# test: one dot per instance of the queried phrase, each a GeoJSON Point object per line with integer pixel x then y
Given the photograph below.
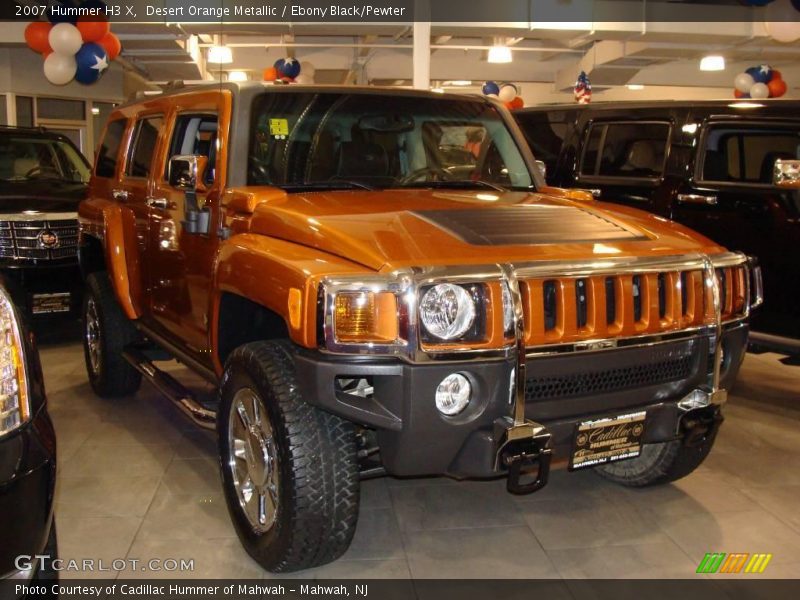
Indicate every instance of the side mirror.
{"type": "Point", "coordinates": [786, 174]}
{"type": "Point", "coordinates": [186, 172]}
{"type": "Point", "coordinates": [542, 168]}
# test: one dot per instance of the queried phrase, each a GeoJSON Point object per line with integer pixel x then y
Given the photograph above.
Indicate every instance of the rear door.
{"type": "Point", "coordinates": [730, 198]}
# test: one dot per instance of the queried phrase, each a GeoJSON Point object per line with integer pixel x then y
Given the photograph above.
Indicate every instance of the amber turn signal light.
{"type": "Point", "coordinates": [365, 317]}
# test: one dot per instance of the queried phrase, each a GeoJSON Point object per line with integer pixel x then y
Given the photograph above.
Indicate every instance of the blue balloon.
{"type": "Point", "coordinates": [761, 73]}
{"type": "Point", "coordinates": [279, 64]}
{"type": "Point", "coordinates": [57, 18]}
{"type": "Point", "coordinates": [757, 2]}
{"type": "Point", "coordinates": [92, 61]}
{"type": "Point", "coordinates": [796, 4]}
{"type": "Point", "coordinates": [490, 87]}
{"type": "Point", "coordinates": [291, 68]}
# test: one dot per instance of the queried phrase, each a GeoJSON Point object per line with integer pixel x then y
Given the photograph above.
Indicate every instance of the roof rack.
{"type": "Point", "coordinates": [39, 128]}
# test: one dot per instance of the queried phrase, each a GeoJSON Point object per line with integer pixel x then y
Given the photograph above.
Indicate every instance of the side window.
{"type": "Point", "coordinates": [196, 135]}
{"type": "Point", "coordinates": [746, 154]}
{"type": "Point", "coordinates": [626, 150]}
{"type": "Point", "coordinates": [106, 163]}
{"type": "Point", "coordinates": [144, 145]}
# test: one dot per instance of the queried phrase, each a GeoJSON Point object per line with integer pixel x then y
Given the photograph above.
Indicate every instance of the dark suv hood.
{"type": "Point", "coordinates": [43, 196]}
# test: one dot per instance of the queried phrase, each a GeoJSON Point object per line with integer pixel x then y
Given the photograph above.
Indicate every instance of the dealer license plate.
{"type": "Point", "coordinates": [45, 304]}
{"type": "Point", "coordinates": [607, 440]}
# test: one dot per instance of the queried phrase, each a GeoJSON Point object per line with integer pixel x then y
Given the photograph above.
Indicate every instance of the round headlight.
{"type": "Point", "coordinates": [453, 394]}
{"type": "Point", "coordinates": [447, 311]}
{"type": "Point", "coordinates": [508, 308]}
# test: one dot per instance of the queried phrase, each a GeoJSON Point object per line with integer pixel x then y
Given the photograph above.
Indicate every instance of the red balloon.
{"type": "Point", "coordinates": [270, 74]}
{"type": "Point", "coordinates": [285, 79]}
{"type": "Point", "coordinates": [777, 87]}
{"type": "Point", "coordinates": [517, 102]}
{"type": "Point", "coordinates": [737, 93]}
{"type": "Point", "coordinates": [36, 35]}
{"type": "Point", "coordinates": [776, 74]}
{"type": "Point", "coordinates": [93, 29]}
{"type": "Point", "coordinates": [111, 45]}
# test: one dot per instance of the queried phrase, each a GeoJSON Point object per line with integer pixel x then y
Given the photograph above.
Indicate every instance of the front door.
{"type": "Point", "coordinates": [182, 261]}
{"type": "Point", "coordinates": [731, 199]}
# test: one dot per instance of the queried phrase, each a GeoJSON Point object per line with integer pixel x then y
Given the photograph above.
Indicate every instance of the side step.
{"type": "Point", "coordinates": [171, 388]}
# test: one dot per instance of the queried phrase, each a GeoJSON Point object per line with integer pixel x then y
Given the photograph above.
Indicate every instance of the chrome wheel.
{"type": "Point", "coordinates": [253, 460]}
{"type": "Point", "coordinates": [93, 335]}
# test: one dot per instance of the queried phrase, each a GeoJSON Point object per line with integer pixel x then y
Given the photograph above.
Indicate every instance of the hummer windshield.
{"type": "Point", "coordinates": [29, 158]}
{"type": "Point", "coordinates": [332, 140]}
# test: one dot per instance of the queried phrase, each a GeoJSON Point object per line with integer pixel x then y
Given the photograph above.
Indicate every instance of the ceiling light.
{"type": "Point", "coordinates": [712, 63]}
{"type": "Point", "coordinates": [746, 105]}
{"type": "Point", "coordinates": [459, 82]}
{"type": "Point", "coordinates": [635, 86]}
{"type": "Point", "coordinates": [220, 55]}
{"type": "Point", "coordinates": [237, 76]}
{"type": "Point", "coordinates": [438, 90]}
{"type": "Point", "coordinates": [499, 54]}
{"type": "Point", "coordinates": [95, 111]}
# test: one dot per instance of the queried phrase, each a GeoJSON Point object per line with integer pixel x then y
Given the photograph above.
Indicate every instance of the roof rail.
{"type": "Point", "coordinates": [40, 128]}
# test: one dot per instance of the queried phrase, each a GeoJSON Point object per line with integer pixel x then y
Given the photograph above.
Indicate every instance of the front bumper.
{"type": "Point", "coordinates": [415, 439]}
{"type": "Point", "coordinates": [27, 486]}
{"type": "Point", "coordinates": [24, 281]}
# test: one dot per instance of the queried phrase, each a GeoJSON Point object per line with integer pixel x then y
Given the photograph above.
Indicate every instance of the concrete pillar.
{"type": "Point", "coordinates": [422, 55]}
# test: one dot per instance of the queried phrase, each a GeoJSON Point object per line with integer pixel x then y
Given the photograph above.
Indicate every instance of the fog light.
{"type": "Point", "coordinates": [695, 399]}
{"type": "Point", "coordinates": [453, 394]}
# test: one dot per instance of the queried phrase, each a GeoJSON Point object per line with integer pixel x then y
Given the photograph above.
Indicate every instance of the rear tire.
{"type": "Point", "coordinates": [289, 470]}
{"type": "Point", "coordinates": [658, 463]}
{"type": "Point", "coordinates": [107, 331]}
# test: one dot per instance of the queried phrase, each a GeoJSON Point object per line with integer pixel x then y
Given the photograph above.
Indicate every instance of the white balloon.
{"type": "Point", "coordinates": [65, 38]}
{"type": "Point", "coordinates": [759, 90]}
{"type": "Point", "coordinates": [59, 69]}
{"type": "Point", "coordinates": [743, 82]}
{"type": "Point", "coordinates": [507, 93]}
{"type": "Point", "coordinates": [781, 21]}
{"type": "Point", "coordinates": [306, 68]}
{"type": "Point", "coordinates": [304, 79]}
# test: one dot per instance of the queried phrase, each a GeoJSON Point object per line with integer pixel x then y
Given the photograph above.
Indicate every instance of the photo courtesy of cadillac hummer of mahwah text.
{"type": "Point", "coordinates": [380, 283]}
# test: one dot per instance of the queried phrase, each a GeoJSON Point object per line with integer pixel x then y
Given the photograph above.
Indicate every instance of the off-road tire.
{"type": "Point", "coordinates": [114, 376]}
{"type": "Point", "coordinates": [658, 463]}
{"type": "Point", "coordinates": [318, 468]}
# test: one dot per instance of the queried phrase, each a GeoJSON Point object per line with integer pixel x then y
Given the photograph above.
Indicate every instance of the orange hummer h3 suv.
{"type": "Point", "coordinates": [379, 282]}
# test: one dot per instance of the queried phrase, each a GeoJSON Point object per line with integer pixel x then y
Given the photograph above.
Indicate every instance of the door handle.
{"type": "Point", "coordinates": [697, 199]}
{"type": "Point", "coordinates": [121, 195]}
{"type": "Point", "coordinates": [157, 203]}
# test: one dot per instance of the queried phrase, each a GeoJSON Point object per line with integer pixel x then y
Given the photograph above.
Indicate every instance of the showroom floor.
{"type": "Point", "coordinates": [137, 480]}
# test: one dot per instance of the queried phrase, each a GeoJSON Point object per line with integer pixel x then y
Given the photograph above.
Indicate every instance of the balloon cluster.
{"type": "Point", "coordinates": [507, 93]}
{"type": "Point", "coordinates": [759, 82]}
{"type": "Point", "coordinates": [78, 49]}
{"type": "Point", "coordinates": [290, 70]}
{"type": "Point", "coordinates": [583, 89]}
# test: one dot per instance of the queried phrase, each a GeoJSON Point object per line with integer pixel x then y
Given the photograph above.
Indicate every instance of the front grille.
{"type": "Point", "coordinates": [590, 383]}
{"type": "Point", "coordinates": [574, 309]}
{"type": "Point", "coordinates": [25, 240]}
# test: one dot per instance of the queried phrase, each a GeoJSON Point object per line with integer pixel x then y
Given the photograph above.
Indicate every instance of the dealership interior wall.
{"type": "Point", "coordinates": [138, 480]}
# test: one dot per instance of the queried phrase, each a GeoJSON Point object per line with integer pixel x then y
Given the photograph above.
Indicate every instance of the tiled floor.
{"type": "Point", "coordinates": [137, 480]}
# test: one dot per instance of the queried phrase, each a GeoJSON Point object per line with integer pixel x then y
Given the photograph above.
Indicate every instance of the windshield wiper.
{"type": "Point", "coordinates": [342, 184]}
{"type": "Point", "coordinates": [459, 183]}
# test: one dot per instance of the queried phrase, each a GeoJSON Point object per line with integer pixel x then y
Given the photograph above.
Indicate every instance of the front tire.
{"type": "Point", "coordinates": [107, 331]}
{"type": "Point", "coordinates": [289, 470]}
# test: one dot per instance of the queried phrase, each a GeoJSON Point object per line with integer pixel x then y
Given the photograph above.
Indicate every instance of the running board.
{"type": "Point", "coordinates": [171, 388]}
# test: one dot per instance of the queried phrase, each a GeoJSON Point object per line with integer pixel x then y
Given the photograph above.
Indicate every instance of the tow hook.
{"type": "Point", "coordinates": [699, 426]}
{"type": "Point", "coordinates": [523, 450]}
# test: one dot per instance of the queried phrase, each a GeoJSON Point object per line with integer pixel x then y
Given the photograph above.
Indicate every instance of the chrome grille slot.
{"type": "Point", "coordinates": [23, 239]}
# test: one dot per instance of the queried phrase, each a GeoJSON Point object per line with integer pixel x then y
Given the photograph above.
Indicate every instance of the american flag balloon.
{"type": "Point", "coordinates": [583, 89]}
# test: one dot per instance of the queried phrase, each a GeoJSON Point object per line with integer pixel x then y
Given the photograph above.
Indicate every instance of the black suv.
{"type": "Point", "coordinates": [43, 178]}
{"type": "Point", "coordinates": [724, 168]}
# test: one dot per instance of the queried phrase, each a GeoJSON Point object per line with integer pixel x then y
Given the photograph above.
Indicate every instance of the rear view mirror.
{"type": "Point", "coordinates": [786, 174]}
{"type": "Point", "coordinates": [542, 168]}
{"type": "Point", "coordinates": [186, 172]}
{"type": "Point", "coordinates": [387, 123]}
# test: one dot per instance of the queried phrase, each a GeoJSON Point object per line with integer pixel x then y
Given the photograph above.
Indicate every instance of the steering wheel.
{"type": "Point", "coordinates": [426, 174]}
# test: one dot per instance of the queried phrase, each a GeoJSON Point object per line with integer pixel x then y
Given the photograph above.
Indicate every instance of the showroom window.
{"type": "Point", "coordinates": [60, 109]}
{"type": "Point", "coordinates": [100, 113]}
{"type": "Point", "coordinates": [747, 154]}
{"type": "Point", "coordinates": [195, 135]}
{"type": "Point", "coordinates": [109, 150]}
{"type": "Point", "coordinates": [144, 146]}
{"type": "Point", "coordinates": [631, 150]}
{"type": "Point", "coordinates": [24, 111]}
